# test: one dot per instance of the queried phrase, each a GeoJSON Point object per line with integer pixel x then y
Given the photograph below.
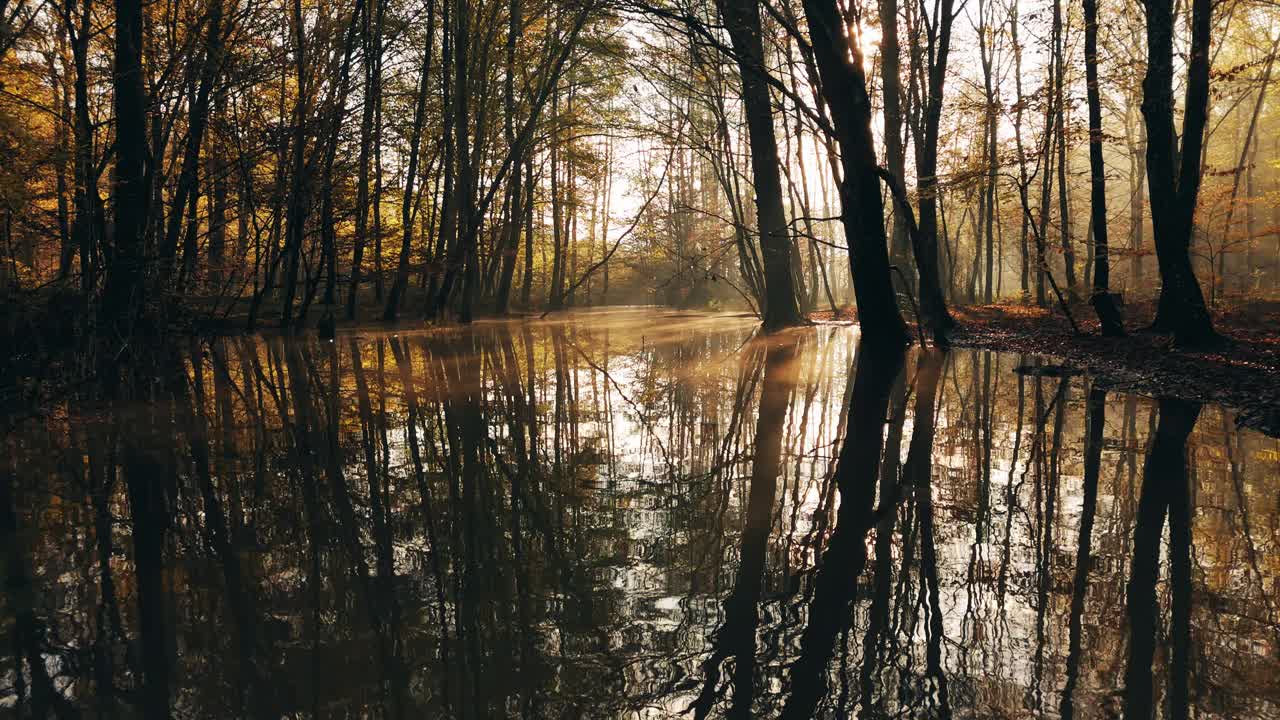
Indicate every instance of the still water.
{"type": "Point", "coordinates": [633, 514]}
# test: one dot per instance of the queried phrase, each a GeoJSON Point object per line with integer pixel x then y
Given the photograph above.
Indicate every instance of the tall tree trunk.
{"type": "Point", "coordinates": [894, 150]}
{"type": "Point", "coordinates": [466, 257]}
{"type": "Point", "coordinates": [328, 148]}
{"type": "Point", "coordinates": [933, 307]}
{"type": "Point", "coordinates": [216, 172]}
{"type": "Point", "coordinates": [61, 143]}
{"type": "Point", "coordinates": [88, 226]}
{"type": "Point", "coordinates": [408, 200]}
{"type": "Point", "coordinates": [1248, 154]}
{"type": "Point", "coordinates": [197, 121]}
{"type": "Point", "coordinates": [844, 87]}
{"type": "Point", "coordinates": [742, 20]}
{"type": "Point", "coordinates": [989, 142]}
{"type": "Point", "coordinates": [123, 294]}
{"type": "Point", "coordinates": [1137, 199]}
{"type": "Point", "coordinates": [1024, 276]}
{"type": "Point", "coordinates": [372, 28]}
{"type": "Point", "coordinates": [448, 231]}
{"type": "Point", "coordinates": [515, 194]}
{"type": "Point", "coordinates": [1173, 174]}
{"type": "Point", "coordinates": [1275, 219]}
{"type": "Point", "coordinates": [1103, 302]}
{"type": "Point", "coordinates": [554, 300]}
{"type": "Point", "coordinates": [526, 285]}
{"type": "Point", "coordinates": [299, 198]}
{"type": "Point", "coordinates": [1060, 111]}
{"type": "Point", "coordinates": [378, 279]}
{"type": "Point", "coordinates": [1045, 209]}
{"type": "Point", "coordinates": [604, 218]}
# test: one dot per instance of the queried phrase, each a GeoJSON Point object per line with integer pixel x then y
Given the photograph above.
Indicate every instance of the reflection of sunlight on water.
{"type": "Point", "coordinates": [565, 514]}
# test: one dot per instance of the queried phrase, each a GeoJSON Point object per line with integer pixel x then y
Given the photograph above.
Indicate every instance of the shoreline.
{"type": "Point", "coordinates": [1243, 375]}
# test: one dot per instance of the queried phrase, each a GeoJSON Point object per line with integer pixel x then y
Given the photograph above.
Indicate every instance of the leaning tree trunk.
{"type": "Point", "coordinates": [742, 20]}
{"type": "Point", "coordinates": [844, 86]}
{"type": "Point", "coordinates": [372, 97]}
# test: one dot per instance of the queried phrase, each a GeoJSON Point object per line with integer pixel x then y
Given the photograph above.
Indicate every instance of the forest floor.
{"type": "Point", "coordinates": [1244, 373]}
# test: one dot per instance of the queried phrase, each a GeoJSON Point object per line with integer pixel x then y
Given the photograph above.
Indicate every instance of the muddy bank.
{"type": "Point", "coordinates": [1243, 374]}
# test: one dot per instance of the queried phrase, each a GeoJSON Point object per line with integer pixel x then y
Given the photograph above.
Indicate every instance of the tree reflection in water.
{"type": "Point", "coordinates": [632, 513]}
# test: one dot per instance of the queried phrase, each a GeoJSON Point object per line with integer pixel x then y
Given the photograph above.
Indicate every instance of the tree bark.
{"type": "Point", "coordinates": [1103, 302]}
{"type": "Point", "coordinates": [123, 294]}
{"type": "Point", "coordinates": [742, 21]}
{"type": "Point", "coordinates": [372, 98]}
{"type": "Point", "coordinates": [844, 87]}
{"type": "Point", "coordinates": [933, 307]}
{"type": "Point", "coordinates": [407, 203]}
{"type": "Point", "coordinates": [1173, 176]}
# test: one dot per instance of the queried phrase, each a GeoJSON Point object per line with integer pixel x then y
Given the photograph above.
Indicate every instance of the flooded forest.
{"type": "Point", "coordinates": [640, 359]}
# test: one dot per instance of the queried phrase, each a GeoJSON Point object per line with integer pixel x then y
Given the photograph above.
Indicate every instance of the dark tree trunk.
{"type": "Point", "coordinates": [407, 205]}
{"type": "Point", "coordinates": [510, 243]}
{"type": "Point", "coordinates": [328, 149]}
{"type": "Point", "coordinates": [299, 198]}
{"type": "Point", "coordinates": [123, 293]}
{"type": "Point", "coordinates": [554, 300]}
{"type": "Point", "coordinates": [526, 284]}
{"type": "Point", "coordinates": [933, 307]}
{"type": "Point", "coordinates": [1095, 435]}
{"type": "Point", "coordinates": [461, 256]}
{"type": "Point", "coordinates": [217, 168]}
{"type": "Point", "coordinates": [1060, 112]}
{"type": "Point", "coordinates": [197, 122]}
{"type": "Point", "coordinates": [844, 86]}
{"type": "Point", "coordinates": [61, 141]}
{"type": "Point", "coordinates": [1024, 252]}
{"type": "Point", "coordinates": [894, 150]}
{"type": "Point", "coordinates": [447, 235]}
{"type": "Point", "coordinates": [1173, 176]}
{"type": "Point", "coordinates": [1103, 302]}
{"type": "Point", "coordinates": [742, 20]}
{"type": "Point", "coordinates": [372, 97]}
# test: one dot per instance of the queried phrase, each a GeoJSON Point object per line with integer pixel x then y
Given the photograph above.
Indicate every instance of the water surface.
{"type": "Point", "coordinates": [633, 513]}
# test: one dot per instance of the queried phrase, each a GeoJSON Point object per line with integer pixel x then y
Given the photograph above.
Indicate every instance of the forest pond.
{"type": "Point", "coordinates": [634, 513]}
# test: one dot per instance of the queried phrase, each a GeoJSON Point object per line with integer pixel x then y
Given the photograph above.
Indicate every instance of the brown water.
{"type": "Point", "coordinates": [633, 514]}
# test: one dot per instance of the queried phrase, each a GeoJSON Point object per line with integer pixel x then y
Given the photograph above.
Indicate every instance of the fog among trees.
{"type": "Point", "coordinates": [281, 164]}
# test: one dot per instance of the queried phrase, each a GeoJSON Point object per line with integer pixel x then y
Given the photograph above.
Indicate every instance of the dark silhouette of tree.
{"type": "Point", "coordinates": [1174, 170]}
